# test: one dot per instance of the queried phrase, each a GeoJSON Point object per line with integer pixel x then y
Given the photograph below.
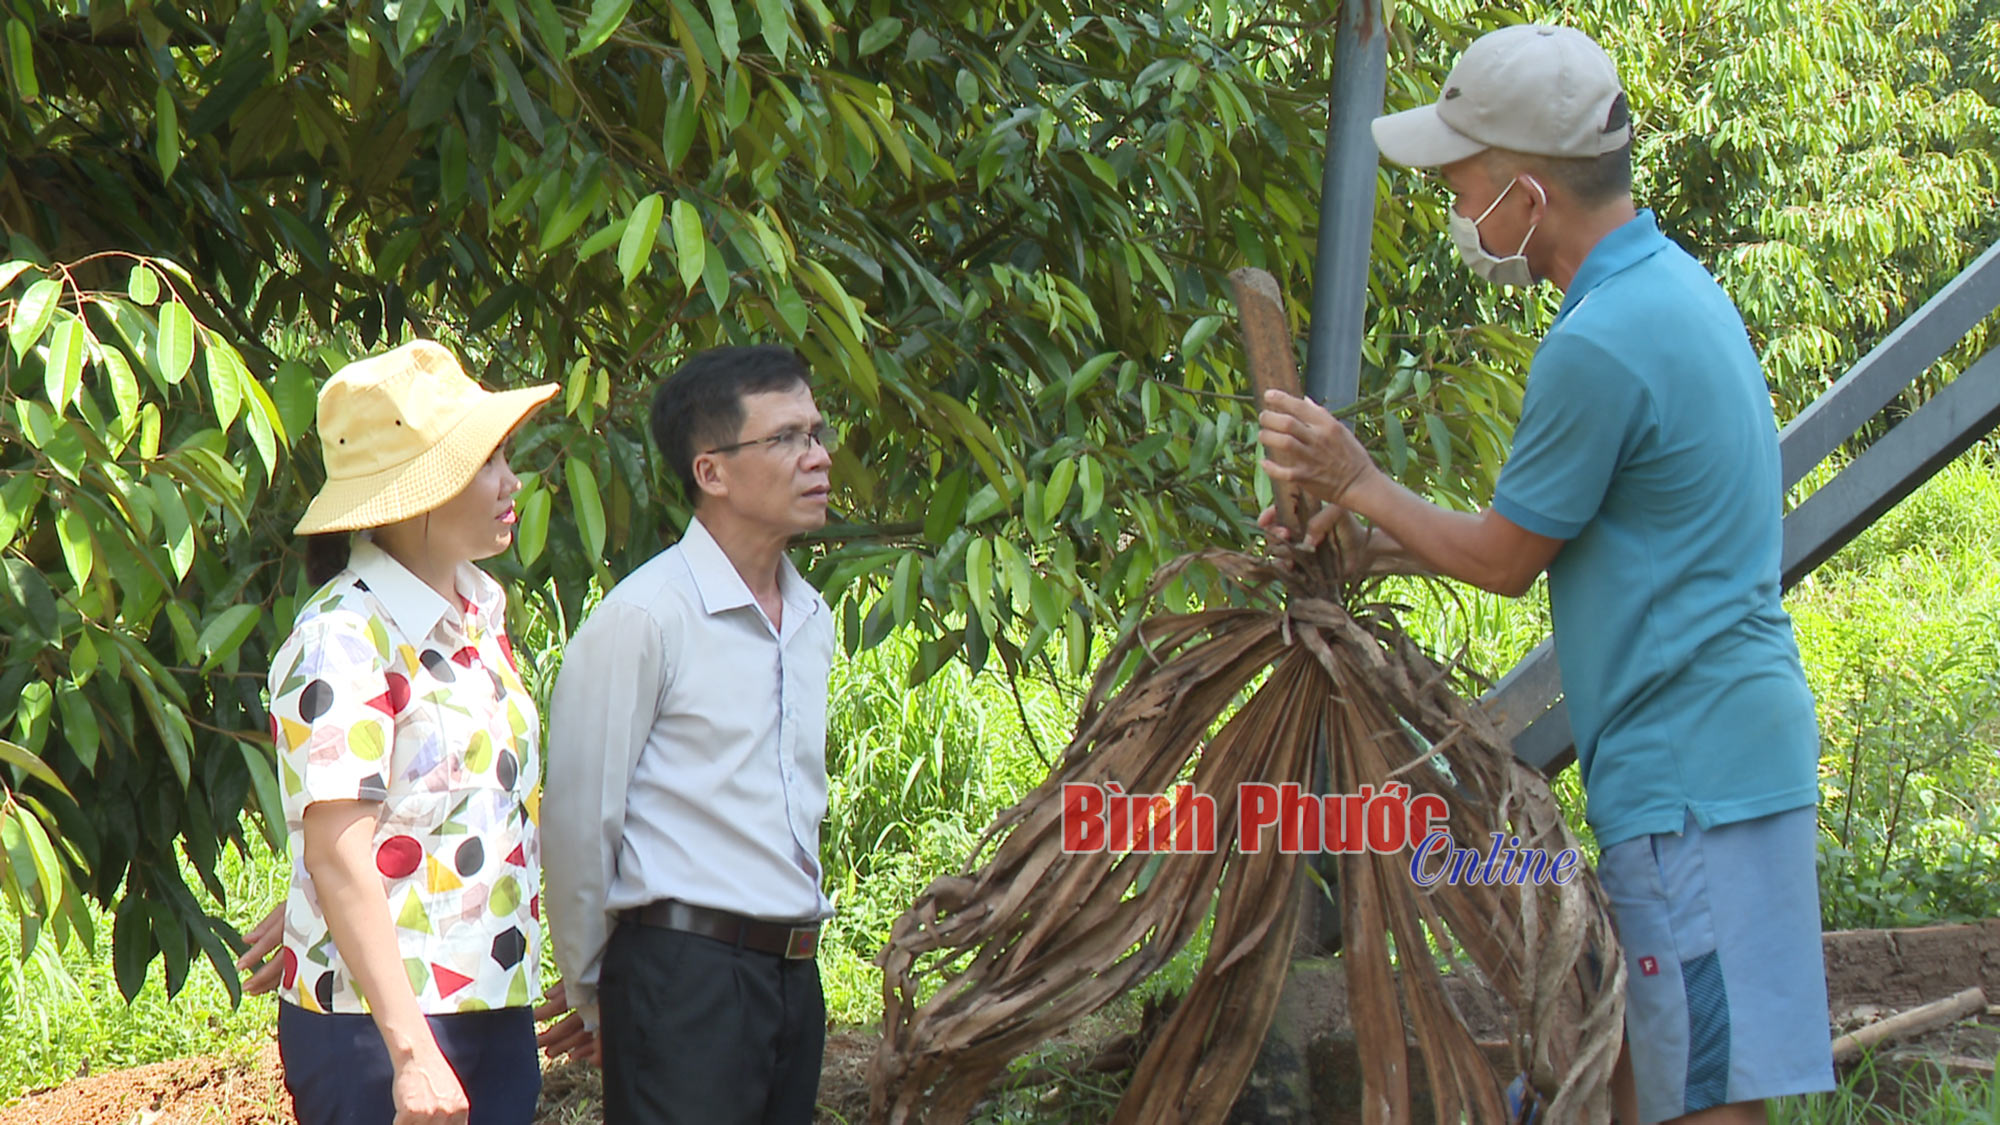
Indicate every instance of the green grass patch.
{"type": "Point", "coordinates": [1910, 1094]}
{"type": "Point", "coordinates": [63, 1015]}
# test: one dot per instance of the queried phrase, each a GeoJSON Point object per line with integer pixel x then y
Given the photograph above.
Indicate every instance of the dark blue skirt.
{"type": "Point", "coordinates": [338, 1073]}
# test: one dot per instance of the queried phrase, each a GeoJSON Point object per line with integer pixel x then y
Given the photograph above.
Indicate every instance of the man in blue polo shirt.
{"type": "Point", "coordinates": [1644, 478]}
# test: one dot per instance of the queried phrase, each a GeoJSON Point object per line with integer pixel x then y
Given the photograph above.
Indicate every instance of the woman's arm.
{"type": "Point", "coordinates": [340, 858]}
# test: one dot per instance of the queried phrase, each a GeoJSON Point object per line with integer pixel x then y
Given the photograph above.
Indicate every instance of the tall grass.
{"type": "Point", "coordinates": [914, 776]}
{"type": "Point", "coordinates": [1900, 634]}
{"type": "Point", "coordinates": [956, 747]}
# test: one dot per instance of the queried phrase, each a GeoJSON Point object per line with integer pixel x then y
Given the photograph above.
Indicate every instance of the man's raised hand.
{"type": "Point", "coordinates": [1307, 446]}
{"type": "Point", "coordinates": [1363, 550]}
{"type": "Point", "coordinates": [263, 938]}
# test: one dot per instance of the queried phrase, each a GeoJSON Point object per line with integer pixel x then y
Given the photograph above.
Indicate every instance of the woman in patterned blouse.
{"type": "Point", "coordinates": [410, 764]}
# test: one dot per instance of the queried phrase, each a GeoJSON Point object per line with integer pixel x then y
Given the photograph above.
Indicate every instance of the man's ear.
{"type": "Point", "coordinates": [709, 476]}
{"type": "Point", "coordinates": [1538, 198]}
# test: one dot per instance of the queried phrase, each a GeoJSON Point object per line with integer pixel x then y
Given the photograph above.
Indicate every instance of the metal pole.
{"type": "Point", "coordinates": [1340, 281]}
{"type": "Point", "coordinates": [1347, 205]}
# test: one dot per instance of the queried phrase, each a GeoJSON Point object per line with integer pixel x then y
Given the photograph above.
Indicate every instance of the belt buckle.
{"type": "Point", "coordinates": [803, 943]}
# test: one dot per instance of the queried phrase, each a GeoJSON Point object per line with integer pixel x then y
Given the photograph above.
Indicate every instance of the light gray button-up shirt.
{"type": "Point", "coordinates": [686, 754]}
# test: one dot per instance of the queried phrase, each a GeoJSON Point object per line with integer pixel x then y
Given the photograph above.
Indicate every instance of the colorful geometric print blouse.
{"type": "Point", "coordinates": [386, 692]}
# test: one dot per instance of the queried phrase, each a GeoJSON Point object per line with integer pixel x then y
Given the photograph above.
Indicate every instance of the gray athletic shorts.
{"type": "Point", "coordinates": [1726, 977]}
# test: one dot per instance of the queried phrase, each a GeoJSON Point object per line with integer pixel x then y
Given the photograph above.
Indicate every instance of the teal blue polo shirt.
{"type": "Point", "coordinates": [1647, 442]}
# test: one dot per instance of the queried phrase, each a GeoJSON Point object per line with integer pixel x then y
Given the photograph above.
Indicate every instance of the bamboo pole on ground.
{"type": "Point", "coordinates": [1913, 1021]}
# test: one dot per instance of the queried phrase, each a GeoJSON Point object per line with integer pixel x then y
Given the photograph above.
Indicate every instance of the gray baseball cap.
{"type": "Point", "coordinates": [1533, 88]}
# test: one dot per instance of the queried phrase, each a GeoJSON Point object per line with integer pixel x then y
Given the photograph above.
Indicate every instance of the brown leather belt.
{"type": "Point", "coordinates": [798, 942]}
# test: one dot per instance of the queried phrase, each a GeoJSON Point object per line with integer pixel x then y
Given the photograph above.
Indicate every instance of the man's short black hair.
{"type": "Point", "coordinates": [700, 406]}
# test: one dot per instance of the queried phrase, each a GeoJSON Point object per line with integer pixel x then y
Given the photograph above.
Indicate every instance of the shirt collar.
{"type": "Point", "coordinates": [412, 604]}
{"type": "Point", "coordinates": [1636, 240]}
{"type": "Point", "coordinates": [722, 588]}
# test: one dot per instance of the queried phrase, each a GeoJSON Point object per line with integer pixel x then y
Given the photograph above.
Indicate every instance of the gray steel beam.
{"type": "Point", "coordinates": [1548, 744]}
{"type": "Point", "coordinates": [1883, 374]}
{"type": "Point", "coordinates": [1912, 452]}
{"type": "Point", "coordinates": [1347, 184]}
{"type": "Point", "coordinates": [1967, 409]}
{"type": "Point", "coordinates": [1528, 689]}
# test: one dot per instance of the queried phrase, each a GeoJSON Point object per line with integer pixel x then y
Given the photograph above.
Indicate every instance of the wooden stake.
{"type": "Point", "coordinates": [1267, 349]}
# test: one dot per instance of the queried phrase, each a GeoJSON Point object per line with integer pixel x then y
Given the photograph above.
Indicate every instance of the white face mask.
{"type": "Point", "coordinates": [1511, 270]}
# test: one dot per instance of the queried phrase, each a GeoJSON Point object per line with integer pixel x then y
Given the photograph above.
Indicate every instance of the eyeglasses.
{"type": "Point", "coordinates": [793, 441]}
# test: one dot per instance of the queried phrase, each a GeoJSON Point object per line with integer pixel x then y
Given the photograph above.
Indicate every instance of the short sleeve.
{"type": "Point", "coordinates": [1584, 412]}
{"type": "Point", "coordinates": [332, 712]}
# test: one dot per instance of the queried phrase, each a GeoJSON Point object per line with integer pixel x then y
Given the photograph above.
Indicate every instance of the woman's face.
{"type": "Point", "coordinates": [478, 523]}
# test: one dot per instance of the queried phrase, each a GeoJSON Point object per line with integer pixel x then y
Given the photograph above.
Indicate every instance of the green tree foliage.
{"type": "Point", "coordinates": [138, 582]}
{"type": "Point", "coordinates": [998, 230]}
{"type": "Point", "coordinates": [1833, 162]}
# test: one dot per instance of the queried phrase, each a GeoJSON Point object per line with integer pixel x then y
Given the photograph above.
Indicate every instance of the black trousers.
{"type": "Point", "coordinates": [338, 1071]}
{"type": "Point", "coordinates": [699, 1032]}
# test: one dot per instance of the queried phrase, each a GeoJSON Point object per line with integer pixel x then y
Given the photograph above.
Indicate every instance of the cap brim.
{"type": "Point", "coordinates": [429, 479]}
{"type": "Point", "coordinates": [1419, 138]}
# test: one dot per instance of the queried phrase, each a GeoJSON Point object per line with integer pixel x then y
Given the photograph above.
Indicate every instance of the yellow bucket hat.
{"type": "Point", "coordinates": [403, 432]}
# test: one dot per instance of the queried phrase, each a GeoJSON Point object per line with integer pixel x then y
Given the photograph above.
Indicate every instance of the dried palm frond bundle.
{"type": "Point", "coordinates": [1037, 936]}
{"type": "Point", "coordinates": [1032, 936]}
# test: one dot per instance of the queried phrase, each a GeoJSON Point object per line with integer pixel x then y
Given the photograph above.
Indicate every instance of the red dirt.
{"type": "Point", "coordinates": [249, 1091]}
{"type": "Point", "coordinates": [1870, 974]}
{"type": "Point", "coordinates": [202, 1091]}
{"type": "Point", "coordinates": [217, 1090]}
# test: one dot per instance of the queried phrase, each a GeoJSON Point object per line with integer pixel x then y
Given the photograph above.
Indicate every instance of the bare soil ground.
{"type": "Point", "coordinates": [219, 1090]}
{"type": "Point", "coordinates": [212, 1090]}
{"type": "Point", "coordinates": [1871, 975]}
{"type": "Point", "coordinates": [216, 1090]}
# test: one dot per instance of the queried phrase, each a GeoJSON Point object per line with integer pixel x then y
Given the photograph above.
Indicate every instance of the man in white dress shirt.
{"type": "Point", "coordinates": [687, 771]}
